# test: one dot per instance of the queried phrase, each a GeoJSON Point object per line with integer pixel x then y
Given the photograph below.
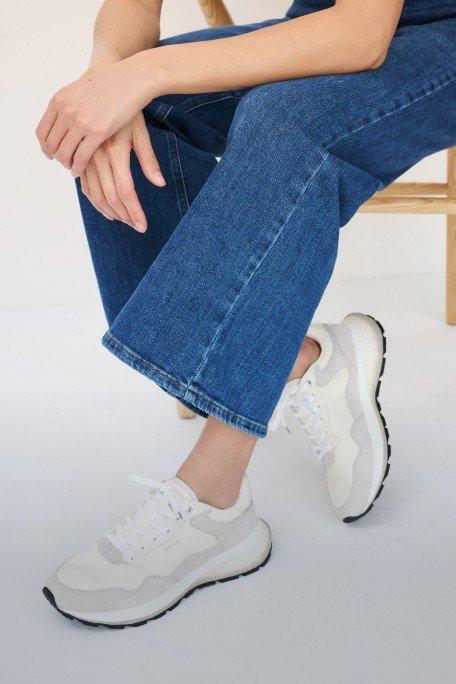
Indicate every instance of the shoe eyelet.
{"type": "Point", "coordinates": [189, 509]}
{"type": "Point", "coordinates": [167, 531]}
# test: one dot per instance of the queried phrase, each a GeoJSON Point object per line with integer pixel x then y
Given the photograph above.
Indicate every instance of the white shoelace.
{"type": "Point", "coordinates": [299, 399]}
{"type": "Point", "coordinates": [163, 504]}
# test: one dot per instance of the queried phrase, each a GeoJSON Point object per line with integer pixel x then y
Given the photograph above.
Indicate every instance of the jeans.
{"type": "Point", "coordinates": [214, 300]}
{"type": "Point", "coordinates": [414, 11]}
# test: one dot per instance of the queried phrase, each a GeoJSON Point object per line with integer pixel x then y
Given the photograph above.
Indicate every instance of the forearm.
{"type": "Point", "coordinates": [325, 42]}
{"type": "Point", "coordinates": [123, 28]}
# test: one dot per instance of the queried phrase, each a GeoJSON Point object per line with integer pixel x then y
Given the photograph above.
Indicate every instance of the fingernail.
{"type": "Point", "coordinates": [140, 226]}
{"type": "Point", "coordinates": [75, 175]}
{"type": "Point", "coordinates": [107, 217]}
{"type": "Point", "coordinates": [158, 179]}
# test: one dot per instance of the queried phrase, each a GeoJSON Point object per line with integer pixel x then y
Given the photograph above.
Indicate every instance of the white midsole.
{"type": "Point", "coordinates": [368, 343]}
{"type": "Point", "coordinates": [245, 556]}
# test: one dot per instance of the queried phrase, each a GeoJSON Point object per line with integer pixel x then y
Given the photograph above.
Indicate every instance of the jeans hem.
{"type": "Point", "coordinates": [197, 400]}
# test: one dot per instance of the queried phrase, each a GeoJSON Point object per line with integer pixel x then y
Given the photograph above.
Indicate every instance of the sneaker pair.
{"type": "Point", "coordinates": [174, 544]}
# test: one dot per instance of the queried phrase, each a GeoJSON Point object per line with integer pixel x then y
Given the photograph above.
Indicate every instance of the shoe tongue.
{"type": "Point", "coordinates": [182, 489]}
{"type": "Point", "coordinates": [310, 372]}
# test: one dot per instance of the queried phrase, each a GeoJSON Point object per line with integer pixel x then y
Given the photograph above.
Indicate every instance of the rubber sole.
{"type": "Point", "coordinates": [50, 597]}
{"type": "Point", "coordinates": [354, 518]}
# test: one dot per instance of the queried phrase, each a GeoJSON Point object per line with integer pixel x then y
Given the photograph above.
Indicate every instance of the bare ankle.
{"type": "Point", "coordinates": [210, 494]}
{"type": "Point", "coordinates": [216, 465]}
{"type": "Point", "coordinates": [307, 355]}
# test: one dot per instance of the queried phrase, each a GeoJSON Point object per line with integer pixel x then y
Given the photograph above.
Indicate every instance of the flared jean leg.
{"type": "Point", "coordinates": [220, 315]}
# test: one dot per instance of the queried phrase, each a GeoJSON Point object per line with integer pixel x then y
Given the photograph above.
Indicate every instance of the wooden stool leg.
{"type": "Point", "coordinates": [184, 412]}
{"type": "Point", "coordinates": [215, 12]}
{"type": "Point", "coordinates": [451, 243]}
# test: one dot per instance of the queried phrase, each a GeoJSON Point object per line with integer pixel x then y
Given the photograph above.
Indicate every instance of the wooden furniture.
{"type": "Point", "coordinates": [397, 198]}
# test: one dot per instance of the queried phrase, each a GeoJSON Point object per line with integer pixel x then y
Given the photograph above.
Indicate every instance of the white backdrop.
{"type": "Point", "coordinates": [43, 256]}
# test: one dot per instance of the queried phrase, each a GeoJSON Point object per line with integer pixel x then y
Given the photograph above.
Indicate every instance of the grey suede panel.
{"type": "Point", "coordinates": [343, 356]}
{"type": "Point", "coordinates": [228, 534]}
{"type": "Point", "coordinates": [116, 598]}
{"type": "Point", "coordinates": [110, 552]}
{"type": "Point", "coordinates": [362, 472]}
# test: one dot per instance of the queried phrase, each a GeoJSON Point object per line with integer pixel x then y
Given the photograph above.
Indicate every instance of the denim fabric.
{"type": "Point", "coordinates": [414, 11]}
{"type": "Point", "coordinates": [213, 302]}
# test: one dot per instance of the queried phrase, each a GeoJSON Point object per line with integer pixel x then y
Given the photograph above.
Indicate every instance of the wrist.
{"type": "Point", "coordinates": [153, 73]}
{"type": "Point", "coordinates": [103, 59]}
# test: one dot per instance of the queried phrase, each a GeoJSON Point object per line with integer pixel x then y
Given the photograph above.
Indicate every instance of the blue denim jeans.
{"type": "Point", "coordinates": [214, 300]}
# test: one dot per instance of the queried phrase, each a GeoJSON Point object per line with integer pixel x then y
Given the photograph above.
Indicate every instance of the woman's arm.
{"type": "Point", "coordinates": [350, 36]}
{"type": "Point", "coordinates": [123, 28]}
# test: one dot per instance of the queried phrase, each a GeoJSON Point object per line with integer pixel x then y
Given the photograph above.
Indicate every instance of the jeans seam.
{"type": "Point", "coordinates": [209, 102]}
{"type": "Point", "coordinates": [387, 114]}
{"type": "Point", "coordinates": [181, 172]}
{"type": "Point", "coordinates": [254, 270]}
{"type": "Point", "coordinates": [176, 165]}
{"type": "Point", "coordinates": [162, 106]}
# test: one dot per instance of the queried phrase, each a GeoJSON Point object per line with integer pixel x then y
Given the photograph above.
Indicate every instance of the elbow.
{"type": "Point", "coordinates": [376, 60]}
{"type": "Point", "coordinates": [373, 55]}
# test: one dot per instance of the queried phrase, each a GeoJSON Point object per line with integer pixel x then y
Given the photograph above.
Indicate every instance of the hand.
{"type": "Point", "coordinates": [83, 114]}
{"type": "Point", "coordinates": [107, 181]}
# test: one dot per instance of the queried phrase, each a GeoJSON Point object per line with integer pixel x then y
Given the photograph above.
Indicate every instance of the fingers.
{"type": "Point", "coordinates": [57, 128]}
{"type": "Point", "coordinates": [69, 134]}
{"type": "Point", "coordinates": [98, 197]}
{"type": "Point", "coordinates": [106, 176]}
{"type": "Point", "coordinates": [92, 192]}
{"type": "Point", "coordinates": [86, 191]}
{"type": "Point", "coordinates": [120, 165]}
{"type": "Point", "coordinates": [42, 130]}
{"type": "Point", "coordinates": [84, 151]}
{"type": "Point", "coordinates": [146, 155]}
{"type": "Point", "coordinates": [66, 149]}
{"type": "Point", "coordinates": [55, 137]}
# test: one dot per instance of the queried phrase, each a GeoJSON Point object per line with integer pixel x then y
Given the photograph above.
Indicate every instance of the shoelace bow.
{"type": "Point", "coordinates": [299, 399]}
{"type": "Point", "coordinates": [163, 504]}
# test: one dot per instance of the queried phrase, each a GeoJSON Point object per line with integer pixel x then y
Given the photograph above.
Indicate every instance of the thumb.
{"type": "Point", "coordinates": [146, 156]}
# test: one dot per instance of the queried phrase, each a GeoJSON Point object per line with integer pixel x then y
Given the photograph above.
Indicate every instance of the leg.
{"type": "Point", "coordinates": [283, 201]}
{"type": "Point", "coordinates": [217, 463]}
{"type": "Point", "coordinates": [219, 317]}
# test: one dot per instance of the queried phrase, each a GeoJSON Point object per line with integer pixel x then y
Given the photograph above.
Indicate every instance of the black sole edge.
{"type": "Point", "coordinates": [50, 597]}
{"type": "Point", "coordinates": [354, 518]}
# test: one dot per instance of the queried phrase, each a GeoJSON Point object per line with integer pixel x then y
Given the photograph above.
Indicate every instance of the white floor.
{"type": "Point", "coordinates": [337, 604]}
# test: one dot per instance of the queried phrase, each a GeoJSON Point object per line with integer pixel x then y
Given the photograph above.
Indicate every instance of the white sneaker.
{"type": "Point", "coordinates": [172, 545]}
{"type": "Point", "coordinates": [336, 402]}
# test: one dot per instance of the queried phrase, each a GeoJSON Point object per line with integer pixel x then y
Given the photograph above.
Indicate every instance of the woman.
{"type": "Point", "coordinates": [210, 273]}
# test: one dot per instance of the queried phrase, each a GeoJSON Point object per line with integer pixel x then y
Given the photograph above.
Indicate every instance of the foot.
{"type": "Point", "coordinates": [336, 401]}
{"type": "Point", "coordinates": [170, 546]}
